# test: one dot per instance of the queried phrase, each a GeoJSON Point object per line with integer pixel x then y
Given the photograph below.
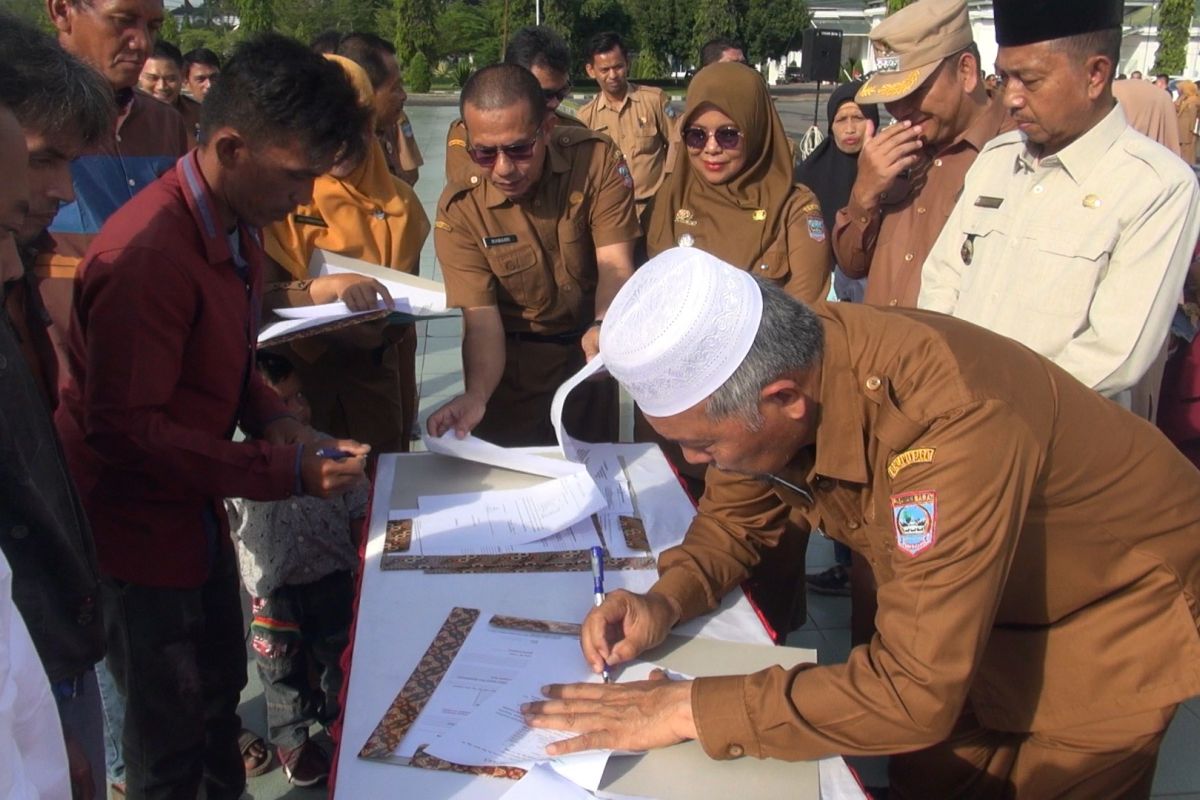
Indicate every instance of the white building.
{"type": "Point", "coordinates": [856, 18]}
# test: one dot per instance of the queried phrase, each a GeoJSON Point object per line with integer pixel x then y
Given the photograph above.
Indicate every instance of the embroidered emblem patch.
{"type": "Point", "coordinates": [406, 129]}
{"type": "Point", "coordinates": [914, 515]}
{"type": "Point", "coordinates": [443, 226]}
{"type": "Point", "coordinates": [816, 229]}
{"type": "Point", "coordinates": [626, 175]}
{"type": "Point", "coordinates": [684, 216]}
{"type": "Point", "coordinates": [921, 455]}
{"type": "Point", "coordinates": [759, 215]}
{"type": "Point", "coordinates": [887, 63]}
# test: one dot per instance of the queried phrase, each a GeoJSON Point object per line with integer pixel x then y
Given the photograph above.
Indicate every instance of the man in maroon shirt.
{"type": "Point", "coordinates": [161, 362]}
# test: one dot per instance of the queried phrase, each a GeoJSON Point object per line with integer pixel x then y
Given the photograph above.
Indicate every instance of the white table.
{"type": "Point", "coordinates": [399, 612]}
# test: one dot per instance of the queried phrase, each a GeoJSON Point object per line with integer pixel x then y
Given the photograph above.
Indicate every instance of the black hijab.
{"type": "Point", "coordinates": [828, 171]}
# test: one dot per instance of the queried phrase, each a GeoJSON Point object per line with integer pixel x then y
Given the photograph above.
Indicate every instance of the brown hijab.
{"type": "Point", "coordinates": [1149, 110]}
{"type": "Point", "coordinates": [738, 220]}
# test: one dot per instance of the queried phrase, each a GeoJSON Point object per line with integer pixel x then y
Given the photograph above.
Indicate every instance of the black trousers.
{"type": "Point", "coordinates": [178, 656]}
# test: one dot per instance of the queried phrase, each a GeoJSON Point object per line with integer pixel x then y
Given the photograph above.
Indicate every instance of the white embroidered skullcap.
{"type": "Point", "coordinates": [679, 328]}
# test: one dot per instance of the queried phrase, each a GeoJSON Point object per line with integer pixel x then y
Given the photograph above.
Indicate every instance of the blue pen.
{"type": "Point", "coordinates": [334, 453]}
{"type": "Point", "coordinates": [598, 591]}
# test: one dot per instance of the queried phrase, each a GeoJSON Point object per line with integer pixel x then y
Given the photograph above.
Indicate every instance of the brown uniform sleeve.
{"type": "Point", "coordinates": [612, 217]}
{"type": "Point", "coordinates": [854, 236]}
{"type": "Point", "coordinates": [905, 689]}
{"type": "Point", "coordinates": [810, 262]}
{"type": "Point", "coordinates": [737, 517]}
{"type": "Point", "coordinates": [470, 282]}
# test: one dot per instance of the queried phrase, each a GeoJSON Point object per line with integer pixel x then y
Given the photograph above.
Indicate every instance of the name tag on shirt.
{"type": "Point", "coordinates": [983, 201]}
{"type": "Point", "coordinates": [496, 241]}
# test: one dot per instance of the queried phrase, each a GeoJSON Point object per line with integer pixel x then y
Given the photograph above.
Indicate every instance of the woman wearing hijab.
{"type": "Point", "coordinates": [734, 196]}
{"type": "Point", "coordinates": [831, 169]}
{"type": "Point", "coordinates": [360, 382]}
{"type": "Point", "coordinates": [1187, 109]}
{"type": "Point", "coordinates": [1149, 111]}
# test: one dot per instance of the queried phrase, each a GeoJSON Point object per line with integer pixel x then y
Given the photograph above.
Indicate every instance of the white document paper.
{"type": "Point", "coordinates": [323, 311]}
{"type": "Point", "coordinates": [570, 447]}
{"type": "Point", "coordinates": [410, 294]}
{"type": "Point", "coordinates": [542, 782]}
{"type": "Point", "coordinates": [495, 734]}
{"type": "Point", "coordinates": [481, 522]}
{"type": "Point", "coordinates": [471, 448]}
{"type": "Point", "coordinates": [489, 659]}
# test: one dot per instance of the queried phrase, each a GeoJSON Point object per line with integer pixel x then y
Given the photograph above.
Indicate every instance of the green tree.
{"type": "Point", "coordinates": [410, 25]}
{"type": "Point", "coordinates": [32, 11]}
{"type": "Point", "coordinates": [1174, 22]}
{"type": "Point", "coordinates": [774, 27]}
{"type": "Point", "coordinates": [896, 5]}
{"type": "Point", "coordinates": [663, 28]}
{"type": "Point", "coordinates": [418, 77]}
{"type": "Point", "coordinates": [465, 30]}
{"type": "Point", "coordinates": [170, 28]}
{"type": "Point", "coordinates": [256, 15]}
{"type": "Point", "coordinates": [715, 18]}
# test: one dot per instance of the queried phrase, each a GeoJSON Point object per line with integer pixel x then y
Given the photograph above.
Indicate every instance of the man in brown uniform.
{"type": "Point", "coordinates": [636, 117]}
{"type": "Point", "coordinates": [910, 174]}
{"type": "Point", "coordinates": [1037, 626]}
{"type": "Point", "coordinates": [533, 250]}
{"type": "Point", "coordinates": [544, 53]}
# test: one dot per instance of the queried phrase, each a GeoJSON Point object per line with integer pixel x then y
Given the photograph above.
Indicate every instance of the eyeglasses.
{"type": "Point", "coordinates": [560, 94]}
{"type": "Point", "coordinates": [697, 138]}
{"type": "Point", "coordinates": [517, 151]}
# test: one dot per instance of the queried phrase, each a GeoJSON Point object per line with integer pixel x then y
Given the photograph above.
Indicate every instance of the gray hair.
{"type": "Point", "coordinates": [55, 92]}
{"type": "Point", "coordinates": [789, 339]}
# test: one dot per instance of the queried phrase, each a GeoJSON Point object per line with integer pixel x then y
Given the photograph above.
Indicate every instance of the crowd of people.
{"type": "Point", "coordinates": [772, 319]}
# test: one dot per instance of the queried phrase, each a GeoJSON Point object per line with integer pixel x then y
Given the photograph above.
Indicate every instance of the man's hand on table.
{"type": "Point", "coordinates": [624, 626]}
{"type": "Point", "coordinates": [629, 716]}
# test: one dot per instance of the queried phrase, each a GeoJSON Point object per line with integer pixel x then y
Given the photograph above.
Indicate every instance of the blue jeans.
{"type": "Point", "coordinates": [291, 626]}
{"type": "Point", "coordinates": [113, 706]}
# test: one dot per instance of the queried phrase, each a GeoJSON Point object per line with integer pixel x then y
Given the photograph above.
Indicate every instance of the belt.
{"type": "Point", "coordinates": [545, 338]}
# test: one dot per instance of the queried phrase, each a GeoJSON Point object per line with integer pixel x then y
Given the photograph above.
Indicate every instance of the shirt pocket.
{"type": "Point", "coordinates": [983, 241]}
{"type": "Point", "coordinates": [1065, 264]}
{"type": "Point", "coordinates": [578, 251]}
{"type": "Point", "coordinates": [516, 267]}
{"type": "Point", "coordinates": [647, 141]}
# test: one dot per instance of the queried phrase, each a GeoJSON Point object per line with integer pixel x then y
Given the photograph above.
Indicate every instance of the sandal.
{"type": "Point", "coordinates": [255, 755]}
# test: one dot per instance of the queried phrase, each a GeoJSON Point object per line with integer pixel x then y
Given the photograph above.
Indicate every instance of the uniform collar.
{"type": "Point", "coordinates": [840, 450]}
{"type": "Point", "coordinates": [986, 126]}
{"type": "Point", "coordinates": [602, 99]}
{"type": "Point", "coordinates": [204, 211]}
{"type": "Point", "coordinates": [1081, 156]}
{"type": "Point", "coordinates": [841, 437]}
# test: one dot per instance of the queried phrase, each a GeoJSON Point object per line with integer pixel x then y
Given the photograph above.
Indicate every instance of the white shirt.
{"type": "Point", "coordinates": [1080, 256]}
{"type": "Point", "coordinates": [33, 757]}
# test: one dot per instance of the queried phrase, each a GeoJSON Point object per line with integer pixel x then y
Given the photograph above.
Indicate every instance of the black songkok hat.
{"type": "Point", "coordinates": [1021, 22]}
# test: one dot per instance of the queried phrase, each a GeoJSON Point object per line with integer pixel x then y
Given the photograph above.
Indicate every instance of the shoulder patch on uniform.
{"type": "Point", "coordinates": [810, 208]}
{"type": "Point", "coordinates": [914, 518]}
{"type": "Point", "coordinates": [406, 129]}
{"type": "Point", "coordinates": [623, 171]}
{"type": "Point", "coordinates": [442, 225]}
{"type": "Point", "coordinates": [457, 143]}
{"type": "Point", "coordinates": [921, 455]}
{"type": "Point", "coordinates": [816, 229]}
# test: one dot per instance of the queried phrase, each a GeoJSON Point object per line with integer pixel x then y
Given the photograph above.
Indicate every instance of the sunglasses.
{"type": "Point", "coordinates": [550, 95]}
{"type": "Point", "coordinates": [697, 138]}
{"type": "Point", "coordinates": [517, 151]}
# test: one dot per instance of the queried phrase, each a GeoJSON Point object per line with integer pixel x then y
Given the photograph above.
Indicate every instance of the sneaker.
{"type": "Point", "coordinates": [306, 765]}
{"type": "Point", "coordinates": [834, 581]}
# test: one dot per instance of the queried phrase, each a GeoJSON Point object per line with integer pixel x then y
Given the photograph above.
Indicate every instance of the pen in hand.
{"type": "Point", "coordinates": [598, 591]}
{"type": "Point", "coordinates": [334, 453]}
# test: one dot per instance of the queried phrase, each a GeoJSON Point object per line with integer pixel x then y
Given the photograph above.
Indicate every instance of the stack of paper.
{"type": "Point", "coordinates": [412, 298]}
